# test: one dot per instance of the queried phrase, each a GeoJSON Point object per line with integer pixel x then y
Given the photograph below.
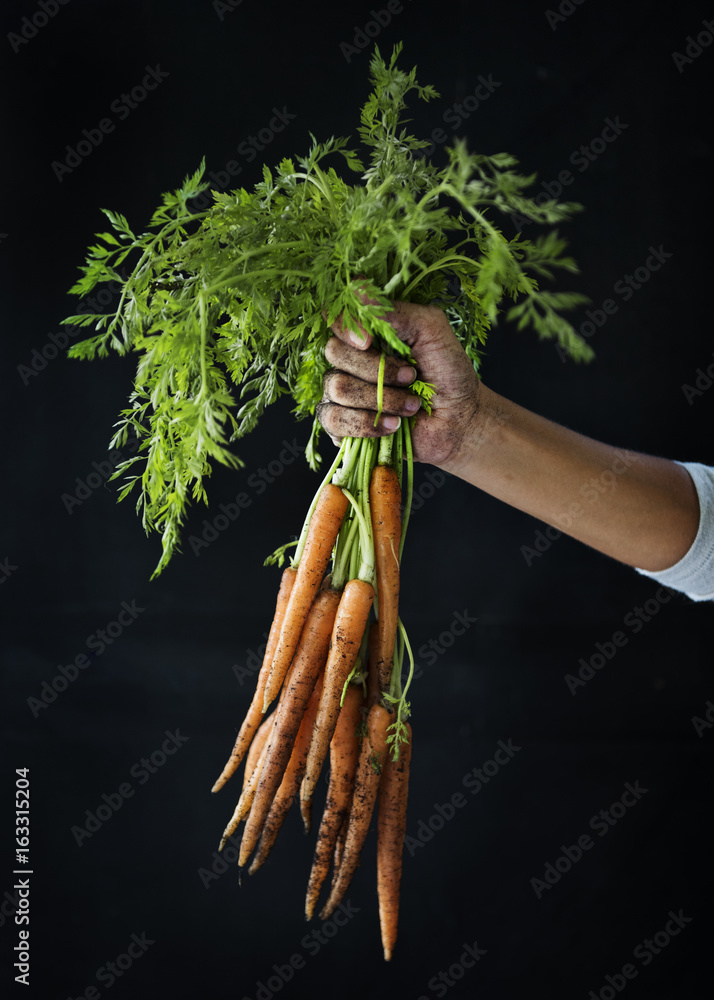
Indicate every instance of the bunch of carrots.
{"type": "Point", "coordinates": [337, 677]}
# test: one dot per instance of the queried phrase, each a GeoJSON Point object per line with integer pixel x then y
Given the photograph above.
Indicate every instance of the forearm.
{"type": "Point", "coordinates": [639, 509]}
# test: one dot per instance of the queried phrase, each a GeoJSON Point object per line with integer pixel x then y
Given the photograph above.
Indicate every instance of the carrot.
{"type": "Point", "coordinates": [324, 527]}
{"type": "Point", "coordinates": [310, 657]}
{"type": "Point", "coordinates": [371, 761]}
{"type": "Point", "coordinates": [347, 635]}
{"type": "Point", "coordinates": [245, 802]}
{"type": "Point", "coordinates": [344, 753]}
{"type": "Point", "coordinates": [391, 828]}
{"type": "Point", "coordinates": [340, 846]}
{"type": "Point", "coordinates": [373, 692]}
{"type": "Point", "coordinates": [306, 813]}
{"type": "Point", "coordinates": [253, 765]}
{"type": "Point", "coordinates": [255, 713]}
{"type": "Point", "coordinates": [385, 503]}
{"type": "Point", "coordinates": [256, 748]}
{"type": "Point", "coordinates": [290, 784]}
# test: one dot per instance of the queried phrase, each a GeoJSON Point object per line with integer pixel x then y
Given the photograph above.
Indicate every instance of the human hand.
{"type": "Point", "coordinates": [349, 405]}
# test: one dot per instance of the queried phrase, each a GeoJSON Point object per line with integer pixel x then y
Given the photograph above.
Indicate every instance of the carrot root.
{"type": "Point", "coordinates": [372, 756]}
{"type": "Point", "coordinates": [391, 828]}
{"type": "Point", "coordinates": [344, 753]}
{"type": "Point", "coordinates": [324, 527]}
{"type": "Point", "coordinates": [255, 714]}
{"type": "Point", "coordinates": [385, 504]}
{"type": "Point", "coordinates": [290, 785]}
{"type": "Point", "coordinates": [347, 633]}
{"type": "Point", "coordinates": [309, 661]}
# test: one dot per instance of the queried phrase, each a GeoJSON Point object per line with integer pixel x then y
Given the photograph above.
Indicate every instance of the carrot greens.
{"type": "Point", "coordinates": [224, 307]}
{"type": "Point", "coordinates": [229, 309]}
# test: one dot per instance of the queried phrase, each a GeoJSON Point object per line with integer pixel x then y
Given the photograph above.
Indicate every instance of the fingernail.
{"type": "Point", "coordinates": [391, 423]}
{"type": "Point", "coordinates": [412, 404]}
{"type": "Point", "coordinates": [356, 339]}
{"type": "Point", "coordinates": [406, 374]}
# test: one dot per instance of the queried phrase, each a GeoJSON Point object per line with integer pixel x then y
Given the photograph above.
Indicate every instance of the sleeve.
{"type": "Point", "coordinates": [694, 573]}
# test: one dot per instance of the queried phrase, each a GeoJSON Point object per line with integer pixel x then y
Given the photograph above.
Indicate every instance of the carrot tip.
{"type": "Point", "coordinates": [387, 955]}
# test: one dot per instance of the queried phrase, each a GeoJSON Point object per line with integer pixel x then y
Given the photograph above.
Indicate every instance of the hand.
{"type": "Point", "coordinates": [349, 405]}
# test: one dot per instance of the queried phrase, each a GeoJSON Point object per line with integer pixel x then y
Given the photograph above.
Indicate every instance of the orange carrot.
{"type": "Point", "coordinates": [340, 846]}
{"type": "Point", "coordinates": [344, 753]}
{"type": "Point", "coordinates": [255, 713]}
{"type": "Point", "coordinates": [290, 784]}
{"type": "Point", "coordinates": [245, 801]}
{"type": "Point", "coordinates": [310, 657]}
{"type": "Point", "coordinates": [253, 764]}
{"type": "Point", "coordinates": [373, 692]}
{"type": "Point", "coordinates": [322, 532]}
{"type": "Point", "coordinates": [371, 761]}
{"type": "Point", "coordinates": [385, 503]}
{"type": "Point", "coordinates": [306, 813]}
{"type": "Point", "coordinates": [391, 828]}
{"type": "Point", "coordinates": [347, 633]}
{"type": "Point", "coordinates": [256, 748]}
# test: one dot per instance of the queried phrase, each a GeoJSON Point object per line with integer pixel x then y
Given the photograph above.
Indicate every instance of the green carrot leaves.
{"type": "Point", "coordinates": [224, 307]}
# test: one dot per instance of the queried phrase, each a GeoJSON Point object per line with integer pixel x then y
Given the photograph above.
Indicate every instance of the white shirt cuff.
{"type": "Point", "coordinates": [694, 573]}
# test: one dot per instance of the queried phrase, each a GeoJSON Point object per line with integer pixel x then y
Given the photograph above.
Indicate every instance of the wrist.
{"type": "Point", "coordinates": [484, 429]}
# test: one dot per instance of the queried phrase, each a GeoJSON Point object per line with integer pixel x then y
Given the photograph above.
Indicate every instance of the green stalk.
{"type": "Point", "coordinates": [380, 388]}
{"type": "Point", "coordinates": [366, 570]}
{"type": "Point", "coordinates": [385, 449]}
{"type": "Point", "coordinates": [406, 424]}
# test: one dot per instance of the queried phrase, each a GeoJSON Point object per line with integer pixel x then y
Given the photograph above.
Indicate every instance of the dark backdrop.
{"type": "Point", "coordinates": [535, 607]}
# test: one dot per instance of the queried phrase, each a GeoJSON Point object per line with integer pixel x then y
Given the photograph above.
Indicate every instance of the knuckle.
{"type": "Point", "coordinates": [332, 349]}
{"type": "Point", "coordinates": [339, 384]}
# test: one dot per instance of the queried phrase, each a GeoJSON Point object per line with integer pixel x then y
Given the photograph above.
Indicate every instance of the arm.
{"type": "Point", "coordinates": [639, 509]}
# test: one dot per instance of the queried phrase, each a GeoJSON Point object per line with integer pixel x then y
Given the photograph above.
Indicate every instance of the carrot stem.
{"type": "Point", "coordinates": [385, 450]}
{"type": "Point", "coordinates": [366, 572]}
{"type": "Point", "coordinates": [407, 424]}
{"type": "Point", "coordinates": [380, 388]}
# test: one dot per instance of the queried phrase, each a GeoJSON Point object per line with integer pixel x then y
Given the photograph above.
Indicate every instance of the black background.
{"type": "Point", "coordinates": [173, 667]}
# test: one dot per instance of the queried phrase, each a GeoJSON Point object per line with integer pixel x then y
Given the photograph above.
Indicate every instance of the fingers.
{"type": "Point", "coordinates": [364, 364]}
{"type": "Point", "coordinates": [346, 390]}
{"type": "Point", "coordinates": [340, 421]}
